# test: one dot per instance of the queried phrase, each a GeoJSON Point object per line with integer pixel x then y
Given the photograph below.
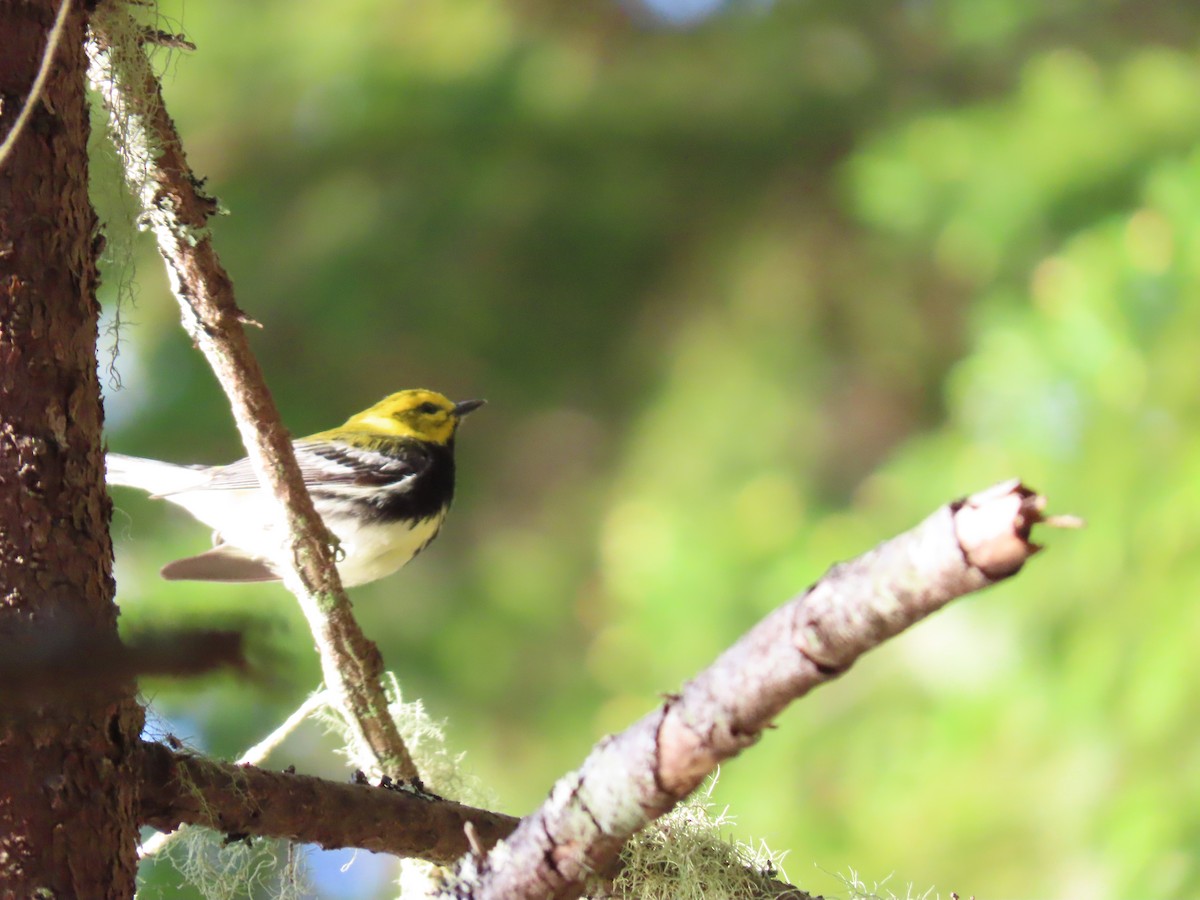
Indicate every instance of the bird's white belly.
{"type": "Point", "coordinates": [374, 551]}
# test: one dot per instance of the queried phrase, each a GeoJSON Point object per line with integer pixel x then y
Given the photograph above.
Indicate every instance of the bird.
{"type": "Point", "coordinates": [382, 482]}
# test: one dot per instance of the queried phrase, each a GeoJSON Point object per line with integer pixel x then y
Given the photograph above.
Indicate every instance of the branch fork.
{"type": "Point", "coordinates": [628, 779]}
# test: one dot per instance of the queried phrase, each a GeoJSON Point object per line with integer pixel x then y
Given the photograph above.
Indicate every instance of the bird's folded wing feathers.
{"type": "Point", "coordinates": [324, 463]}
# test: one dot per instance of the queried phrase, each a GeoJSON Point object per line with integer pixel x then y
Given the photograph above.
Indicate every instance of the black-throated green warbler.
{"type": "Point", "coordinates": [382, 482]}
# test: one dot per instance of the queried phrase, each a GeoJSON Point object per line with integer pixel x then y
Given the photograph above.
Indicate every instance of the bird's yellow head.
{"type": "Point", "coordinates": [424, 415]}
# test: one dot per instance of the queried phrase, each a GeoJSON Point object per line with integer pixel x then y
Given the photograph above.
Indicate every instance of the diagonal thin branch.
{"type": "Point", "coordinates": [177, 213]}
{"type": "Point", "coordinates": [632, 778]}
{"type": "Point", "coordinates": [39, 81]}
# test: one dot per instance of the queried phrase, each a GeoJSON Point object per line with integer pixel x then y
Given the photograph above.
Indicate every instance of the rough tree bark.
{"type": "Point", "coordinates": [68, 801]}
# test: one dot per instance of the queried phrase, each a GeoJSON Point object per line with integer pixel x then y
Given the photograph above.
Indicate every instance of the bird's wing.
{"type": "Point", "coordinates": [323, 463]}
{"type": "Point", "coordinates": [222, 563]}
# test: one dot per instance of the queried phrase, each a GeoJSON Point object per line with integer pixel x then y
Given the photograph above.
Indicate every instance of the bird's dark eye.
{"type": "Point", "coordinates": [427, 408]}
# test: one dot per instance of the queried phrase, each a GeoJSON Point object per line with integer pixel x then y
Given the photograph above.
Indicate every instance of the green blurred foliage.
{"type": "Point", "coordinates": [746, 299]}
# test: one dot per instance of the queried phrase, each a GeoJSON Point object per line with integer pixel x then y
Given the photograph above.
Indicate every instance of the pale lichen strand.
{"type": "Point", "coordinates": [685, 856]}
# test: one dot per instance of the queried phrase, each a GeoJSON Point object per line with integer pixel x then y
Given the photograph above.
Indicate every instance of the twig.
{"type": "Point", "coordinates": [632, 778]}
{"type": "Point", "coordinates": [252, 757]}
{"type": "Point", "coordinates": [39, 81]}
{"type": "Point", "coordinates": [260, 751]}
{"type": "Point", "coordinates": [168, 39]}
{"type": "Point", "coordinates": [177, 213]}
{"type": "Point", "coordinates": [66, 658]}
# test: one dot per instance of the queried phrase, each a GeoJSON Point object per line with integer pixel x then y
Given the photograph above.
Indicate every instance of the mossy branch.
{"type": "Point", "coordinates": [175, 210]}
{"type": "Point", "coordinates": [181, 788]}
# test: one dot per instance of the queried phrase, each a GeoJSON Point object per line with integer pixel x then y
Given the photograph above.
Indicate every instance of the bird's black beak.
{"type": "Point", "coordinates": [467, 406]}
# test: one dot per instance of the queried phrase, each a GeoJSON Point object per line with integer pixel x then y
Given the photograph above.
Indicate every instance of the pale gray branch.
{"type": "Point", "coordinates": [632, 778]}
{"type": "Point", "coordinates": [177, 213]}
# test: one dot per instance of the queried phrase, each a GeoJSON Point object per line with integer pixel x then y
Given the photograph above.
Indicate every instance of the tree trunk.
{"type": "Point", "coordinates": [67, 795]}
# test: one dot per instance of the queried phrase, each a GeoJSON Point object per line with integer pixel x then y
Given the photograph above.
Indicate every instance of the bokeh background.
{"type": "Point", "coordinates": [750, 287]}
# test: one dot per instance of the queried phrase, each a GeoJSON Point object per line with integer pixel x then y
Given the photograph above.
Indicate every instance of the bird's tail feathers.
{"type": "Point", "coordinates": [221, 563]}
{"type": "Point", "coordinates": [158, 478]}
